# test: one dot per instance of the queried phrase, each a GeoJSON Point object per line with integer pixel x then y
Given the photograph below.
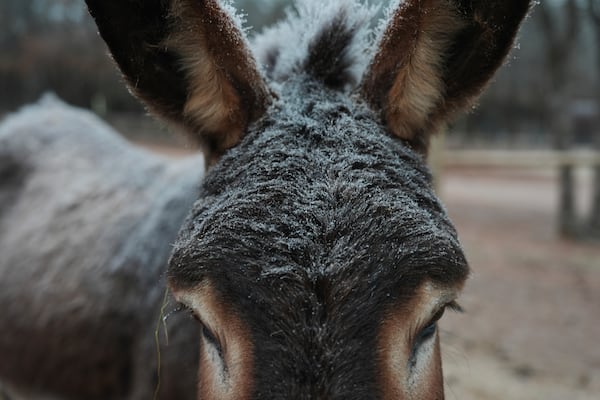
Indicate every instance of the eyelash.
{"type": "Point", "coordinates": [454, 306]}
{"type": "Point", "coordinates": [429, 330]}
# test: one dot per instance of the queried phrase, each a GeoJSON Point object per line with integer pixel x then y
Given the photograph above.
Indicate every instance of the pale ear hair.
{"type": "Point", "coordinates": [434, 59]}
{"type": "Point", "coordinates": [188, 61]}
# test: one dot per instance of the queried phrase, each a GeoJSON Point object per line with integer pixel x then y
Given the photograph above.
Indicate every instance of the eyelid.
{"type": "Point", "coordinates": [212, 339]}
{"type": "Point", "coordinates": [207, 333]}
{"type": "Point", "coordinates": [437, 315]}
{"type": "Point", "coordinates": [452, 306]}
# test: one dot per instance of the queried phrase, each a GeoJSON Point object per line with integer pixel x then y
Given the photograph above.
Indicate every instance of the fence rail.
{"type": "Point", "coordinates": [519, 158]}
{"type": "Point", "coordinates": [570, 225]}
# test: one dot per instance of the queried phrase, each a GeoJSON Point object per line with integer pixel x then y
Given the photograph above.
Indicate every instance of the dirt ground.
{"type": "Point", "coordinates": [532, 324]}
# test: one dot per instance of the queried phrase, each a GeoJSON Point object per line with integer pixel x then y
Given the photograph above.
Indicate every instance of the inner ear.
{"type": "Point", "coordinates": [434, 59]}
{"type": "Point", "coordinates": [188, 61]}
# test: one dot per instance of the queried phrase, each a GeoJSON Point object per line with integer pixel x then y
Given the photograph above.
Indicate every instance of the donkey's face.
{"type": "Point", "coordinates": [318, 259]}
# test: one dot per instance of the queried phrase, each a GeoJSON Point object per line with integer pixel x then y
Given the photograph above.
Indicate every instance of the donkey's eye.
{"type": "Point", "coordinates": [430, 329]}
{"type": "Point", "coordinates": [211, 338]}
{"type": "Point", "coordinates": [208, 335]}
{"type": "Point", "coordinates": [427, 332]}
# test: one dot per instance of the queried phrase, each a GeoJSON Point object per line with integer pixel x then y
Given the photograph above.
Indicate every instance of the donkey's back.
{"type": "Point", "coordinates": [86, 225]}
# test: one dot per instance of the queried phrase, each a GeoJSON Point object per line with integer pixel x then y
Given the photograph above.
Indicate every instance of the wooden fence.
{"type": "Point", "coordinates": [569, 225]}
{"type": "Point", "coordinates": [519, 158]}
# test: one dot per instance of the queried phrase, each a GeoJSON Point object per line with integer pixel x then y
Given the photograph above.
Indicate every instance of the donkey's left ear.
{"type": "Point", "coordinates": [434, 59]}
{"type": "Point", "coordinates": [188, 61]}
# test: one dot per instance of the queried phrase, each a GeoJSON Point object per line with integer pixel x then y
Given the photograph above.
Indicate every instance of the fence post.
{"type": "Point", "coordinates": [567, 216]}
{"type": "Point", "coordinates": [594, 223]}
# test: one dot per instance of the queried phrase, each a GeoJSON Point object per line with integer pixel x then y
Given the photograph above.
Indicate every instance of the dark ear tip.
{"type": "Point", "coordinates": [499, 10]}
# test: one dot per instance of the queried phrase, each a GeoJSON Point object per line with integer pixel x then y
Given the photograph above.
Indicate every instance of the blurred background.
{"type": "Point", "coordinates": [520, 175]}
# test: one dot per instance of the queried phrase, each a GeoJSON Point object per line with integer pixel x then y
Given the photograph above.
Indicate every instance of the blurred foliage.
{"type": "Point", "coordinates": [53, 45]}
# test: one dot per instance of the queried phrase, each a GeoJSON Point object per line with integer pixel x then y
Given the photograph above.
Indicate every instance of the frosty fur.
{"type": "Point", "coordinates": [314, 226]}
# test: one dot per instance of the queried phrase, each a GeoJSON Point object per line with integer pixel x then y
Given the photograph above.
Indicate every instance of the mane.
{"type": "Point", "coordinates": [328, 41]}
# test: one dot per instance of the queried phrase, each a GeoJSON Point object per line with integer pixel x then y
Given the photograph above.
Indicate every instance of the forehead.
{"type": "Point", "coordinates": [319, 192]}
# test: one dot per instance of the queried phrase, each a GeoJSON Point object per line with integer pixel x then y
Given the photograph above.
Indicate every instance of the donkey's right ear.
{"type": "Point", "coordinates": [189, 62]}
{"type": "Point", "coordinates": [434, 59]}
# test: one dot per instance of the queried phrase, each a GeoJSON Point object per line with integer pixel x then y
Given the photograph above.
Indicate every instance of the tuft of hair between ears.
{"type": "Point", "coordinates": [325, 41]}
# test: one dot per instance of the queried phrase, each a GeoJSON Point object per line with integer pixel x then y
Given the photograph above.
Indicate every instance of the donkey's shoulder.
{"type": "Point", "coordinates": [51, 151]}
{"type": "Point", "coordinates": [52, 128]}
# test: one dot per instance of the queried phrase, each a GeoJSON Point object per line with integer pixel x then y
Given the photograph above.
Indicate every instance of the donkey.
{"type": "Point", "coordinates": [316, 259]}
{"type": "Point", "coordinates": [86, 227]}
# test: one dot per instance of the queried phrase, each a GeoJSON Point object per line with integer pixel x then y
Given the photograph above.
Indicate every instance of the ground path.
{"type": "Point", "coordinates": [532, 327]}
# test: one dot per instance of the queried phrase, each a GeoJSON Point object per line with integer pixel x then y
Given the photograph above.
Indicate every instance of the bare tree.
{"type": "Point", "coordinates": [561, 28]}
{"type": "Point", "coordinates": [593, 10]}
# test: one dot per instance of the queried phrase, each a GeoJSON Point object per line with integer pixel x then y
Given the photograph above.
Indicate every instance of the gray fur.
{"type": "Point", "coordinates": [86, 227]}
{"type": "Point", "coordinates": [328, 40]}
{"type": "Point", "coordinates": [313, 228]}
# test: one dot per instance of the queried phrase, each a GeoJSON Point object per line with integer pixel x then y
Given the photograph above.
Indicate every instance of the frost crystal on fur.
{"type": "Point", "coordinates": [328, 40]}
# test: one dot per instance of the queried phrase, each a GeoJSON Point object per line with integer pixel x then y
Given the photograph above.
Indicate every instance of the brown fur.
{"type": "Point", "coordinates": [226, 90]}
{"type": "Point", "coordinates": [237, 348]}
{"type": "Point", "coordinates": [413, 66]}
{"type": "Point", "coordinates": [396, 340]}
{"type": "Point", "coordinates": [434, 59]}
{"type": "Point", "coordinates": [434, 384]}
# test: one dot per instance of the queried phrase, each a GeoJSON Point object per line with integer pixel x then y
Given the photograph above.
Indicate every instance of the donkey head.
{"type": "Point", "coordinates": [318, 259]}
